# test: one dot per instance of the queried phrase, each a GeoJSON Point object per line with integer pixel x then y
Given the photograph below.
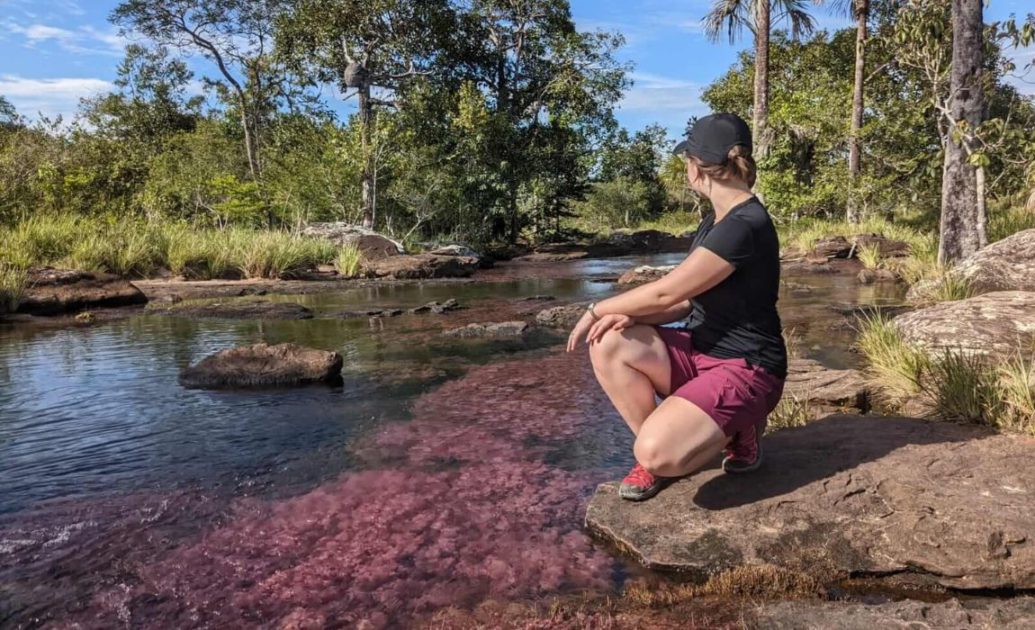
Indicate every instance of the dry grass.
{"type": "Point", "coordinates": [753, 581]}
{"type": "Point", "coordinates": [791, 411]}
{"type": "Point", "coordinates": [12, 288]}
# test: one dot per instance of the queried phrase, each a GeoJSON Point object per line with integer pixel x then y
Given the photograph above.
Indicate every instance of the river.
{"type": "Point", "coordinates": [441, 473]}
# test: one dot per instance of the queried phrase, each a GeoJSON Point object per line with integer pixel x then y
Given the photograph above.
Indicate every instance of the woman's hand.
{"type": "Point", "coordinates": [581, 329]}
{"type": "Point", "coordinates": [613, 322]}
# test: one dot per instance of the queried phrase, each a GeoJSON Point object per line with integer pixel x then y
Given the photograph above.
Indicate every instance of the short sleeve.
{"type": "Point", "coordinates": [732, 239]}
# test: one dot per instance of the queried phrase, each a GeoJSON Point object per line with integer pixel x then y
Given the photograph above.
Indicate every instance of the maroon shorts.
{"type": "Point", "coordinates": [734, 393]}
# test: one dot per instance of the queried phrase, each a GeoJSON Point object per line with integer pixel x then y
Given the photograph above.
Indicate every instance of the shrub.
{"type": "Point", "coordinates": [12, 288]}
{"type": "Point", "coordinates": [348, 261]}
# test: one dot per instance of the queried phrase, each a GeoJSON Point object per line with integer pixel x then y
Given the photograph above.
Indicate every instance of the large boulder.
{"type": "Point", "coordinates": [262, 365]}
{"type": "Point", "coordinates": [644, 274]}
{"type": "Point", "coordinates": [463, 251]}
{"type": "Point", "coordinates": [826, 390]}
{"type": "Point", "coordinates": [235, 309]}
{"type": "Point", "coordinates": [1001, 614]}
{"type": "Point", "coordinates": [1006, 265]}
{"type": "Point", "coordinates": [373, 246]}
{"type": "Point", "coordinates": [497, 329]}
{"type": "Point", "coordinates": [55, 291]}
{"type": "Point", "coordinates": [421, 266]}
{"type": "Point", "coordinates": [994, 324]}
{"type": "Point", "coordinates": [561, 316]}
{"type": "Point", "coordinates": [848, 496]}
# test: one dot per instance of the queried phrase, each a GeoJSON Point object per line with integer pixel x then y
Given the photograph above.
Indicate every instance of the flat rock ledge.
{"type": "Point", "coordinates": [56, 291]}
{"type": "Point", "coordinates": [827, 390]}
{"type": "Point", "coordinates": [1007, 614]}
{"type": "Point", "coordinates": [848, 496]}
{"type": "Point", "coordinates": [262, 365]}
{"type": "Point", "coordinates": [490, 330]}
{"type": "Point", "coordinates": [236, 309]}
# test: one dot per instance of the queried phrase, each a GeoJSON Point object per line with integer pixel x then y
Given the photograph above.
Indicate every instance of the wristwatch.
{"type": "Point", "coordinates": [592, 313]}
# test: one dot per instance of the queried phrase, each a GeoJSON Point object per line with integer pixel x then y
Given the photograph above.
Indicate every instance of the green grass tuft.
{"type": "Point", "coordinates": [349, 261]}
{"type": "Point", "coordinates": [12, 288]}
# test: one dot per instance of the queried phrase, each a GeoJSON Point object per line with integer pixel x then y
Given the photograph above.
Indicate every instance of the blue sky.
{"type": "Point", "coordinates": [56, 51]}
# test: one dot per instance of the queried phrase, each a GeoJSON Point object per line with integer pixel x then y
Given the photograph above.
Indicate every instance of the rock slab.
{"type": "Point", "coordinates": [1009, 614]}
{"type": "Point", "coordinates": [644, 274]}
{"type": "Point", "coordinates": [262, 365]}
{"type": "Point", "coordinates": [1006, 265]}
{"type": "Point", "coordinates": [237, 309]}
{"type": "Point", "coordinates": [858, 496]}
{"type": "Point", "coordinates": [372, 245]}
{"type": "Point", "coordinates": [421, 266]}
{"type": "Point", "coordinates": [56, 291]}
{"type": "Point", "coordinates": [994, 324]}
{"type": "Point", "coordinates": [498, 329]}
{"type": "Point", "coordinates": [827, 390]}
{"type": "Point", "coordinates": [561, 316]}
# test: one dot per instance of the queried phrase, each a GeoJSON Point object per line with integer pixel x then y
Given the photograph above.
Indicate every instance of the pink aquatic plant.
{"type": "Point", "coordinates": [452, 508]}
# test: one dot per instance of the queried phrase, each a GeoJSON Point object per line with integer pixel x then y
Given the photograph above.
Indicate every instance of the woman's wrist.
{"type": "Point", "coordinates": [591, 309]}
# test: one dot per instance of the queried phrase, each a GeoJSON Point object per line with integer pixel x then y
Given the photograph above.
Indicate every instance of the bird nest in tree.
{"type": "Point", "coordinates": [355, 75]}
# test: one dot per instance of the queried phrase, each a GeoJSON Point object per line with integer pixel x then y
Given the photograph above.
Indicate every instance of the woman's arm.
{"type": "Point", "coordinates": [702, 270]}
{"type": "Point", "coordinates": [667, 316]}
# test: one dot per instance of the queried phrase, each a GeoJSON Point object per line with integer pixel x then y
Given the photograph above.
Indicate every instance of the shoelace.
{"type": "Point", "coordinates": [640, 477]}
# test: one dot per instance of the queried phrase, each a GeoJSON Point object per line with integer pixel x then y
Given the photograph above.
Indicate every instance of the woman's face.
{"type": "Point", "coordinates": [697, 180]}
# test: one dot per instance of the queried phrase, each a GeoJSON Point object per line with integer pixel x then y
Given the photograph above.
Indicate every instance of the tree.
{"type": "Point", "coordinates": [733, 16]}
{"type": "Point", "coordinates": [861, 13]}
{"type": "Point", "coordinates": [962, 219]}
{"type": "Point", "coordinates": [235, 35]}
{"type": "Point", "coordinates": [363, 46]}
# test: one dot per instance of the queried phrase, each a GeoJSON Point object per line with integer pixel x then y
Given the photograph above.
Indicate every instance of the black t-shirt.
{"type": "Point", "coordinates": [737, 318]}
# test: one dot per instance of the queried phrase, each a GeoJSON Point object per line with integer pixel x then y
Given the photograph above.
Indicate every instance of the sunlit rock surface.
{"type": "Point", "coordinates": [1012, 614]}
{"type": "Point", "coordinates": [1006, 265]}
{"type": "Point", "coordinates": [56, 291]}
{"type": "Point", "coordinates": [848, 495]}
{"type": "Point", "coordinates": [263, 365]}
{"type": "Point", "coordinates": [991, 324]}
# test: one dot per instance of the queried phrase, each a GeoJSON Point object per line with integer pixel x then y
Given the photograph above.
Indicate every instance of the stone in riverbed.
{"type": "Point", "coordinates": [561, 316]}
{"type": "Point", "coordinates": [374, 312]}
{"type": "Point", "coordinates": [421, 266]}
{"type": "Point", "coordinates": [827, 390]}
{"type": "Point", "coordinates": [995, 324]}
{"type": "Point", "coordinates": [262, 365]}
{"type": "Point", "coordinates": [499, 329]}
{"type": "Point", "coordinates": [372, 245]}
{"type": "Point", "coordinates": [55, 291]}
{"type": "Point", "coordinates": [644, 274]}
{"type": "Point", "coordinates": [437, 307]}
{"type": "Point", "coordinates": [1006, 265]}
{"type": "Point", "coordinates": [237, 309]}
{"type": "Point", "coordinates": [848, 496]}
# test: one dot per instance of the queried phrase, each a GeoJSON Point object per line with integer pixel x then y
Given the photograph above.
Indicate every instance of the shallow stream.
{"type": "Point", "coordinates": [441, 473]}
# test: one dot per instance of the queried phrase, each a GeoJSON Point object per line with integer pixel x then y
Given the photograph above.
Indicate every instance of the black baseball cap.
{"type": "Point", "coordinates": [712, 137]}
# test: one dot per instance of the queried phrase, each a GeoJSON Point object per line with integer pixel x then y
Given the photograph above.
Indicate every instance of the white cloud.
{"type": "Point", "coordinates": [652, 92]}
{"type": "Point", "coordinates": [49, 97]}
{"type": "Point", "coordinates": [84, 40]}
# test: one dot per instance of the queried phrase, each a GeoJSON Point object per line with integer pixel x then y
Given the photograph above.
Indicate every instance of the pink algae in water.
{"type": "Point", "coordinates": [471, 513]}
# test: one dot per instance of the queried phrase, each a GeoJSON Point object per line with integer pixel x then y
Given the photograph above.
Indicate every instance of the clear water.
{"type": "Point", "coordinates": [441, 473]}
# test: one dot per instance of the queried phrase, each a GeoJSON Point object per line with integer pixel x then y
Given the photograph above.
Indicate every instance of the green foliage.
{"type": "Point", "coordinates": [279, 255]}
{"type": "Point", "coordinates": [618, 203]}
{"type": "Point", "coordinates": [349, 261]}
{"type": "Point", "coordinates": [12, 287]}
{"type": "Point", "coordinates": [894, 367]}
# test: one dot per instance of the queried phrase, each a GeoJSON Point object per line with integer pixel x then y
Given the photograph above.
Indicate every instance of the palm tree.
{"type": "Point", "coordinates": [861, 10]}
{"type": "Point", "coordinates": [733, 16]}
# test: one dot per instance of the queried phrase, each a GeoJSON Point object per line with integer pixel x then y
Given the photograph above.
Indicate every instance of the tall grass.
{"type": "Point", "coordinates": [952, 385]}
{"type": "Point", "coordinates": [12, 287]}
{"type": "Point", "coordinates": [138, 248]}
{"type": "Point", "coordinates": [349, 261]}
{"type": "Point", "coordinates": [869, 255]}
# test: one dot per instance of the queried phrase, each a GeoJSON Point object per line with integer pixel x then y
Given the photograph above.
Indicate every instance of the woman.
{"type": "Point", "coordinates": [723, 373]}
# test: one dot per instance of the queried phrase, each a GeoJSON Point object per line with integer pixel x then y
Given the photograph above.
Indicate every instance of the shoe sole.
{"type": "Point", "coordinates": [743, 469]}
{"type": "Point", "coordinates": [638, 495]}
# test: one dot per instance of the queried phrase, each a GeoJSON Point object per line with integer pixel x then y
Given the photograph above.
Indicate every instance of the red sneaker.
{"type": "Point", "coordinates": [744, 452]}
{"type": "Point", "coordinates": [640, 484]}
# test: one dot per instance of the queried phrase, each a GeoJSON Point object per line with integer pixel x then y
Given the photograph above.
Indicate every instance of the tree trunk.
{"type": "Point", "coordinates": [960, 221]}
{"type": "Point", "coordinates": [760, 113]}
{"type": "Point", "coordinates": [367, 180]}
{"type": "Point", "coordinates": [854, 141]}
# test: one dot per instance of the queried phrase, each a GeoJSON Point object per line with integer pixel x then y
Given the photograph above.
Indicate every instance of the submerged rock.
{"type": "Point", "coordinates": [437, 307]}
{"type": "Point", "coordinates": [644, 274]}
{"type": "Point", "coordinates": [848, 496]}
{"type": "Point", "coordinates": [1008, 614]}
{"type": "Point", "coordinates": [237, 309]}
{"type": "Point", "coordinates": [991, 324]}
{"type": "Point", "coordinates": [374, 312]}
{"type": "Point", "coordinates": [870, 276]}
{"type": "Point", "coordinates": [825, 389]}
{"type": "Point", "coordinates": [499, 329]}
{"type": "Point", "coordinates": [262, 365]}
{"type": "Point", "coordinates": [561, 316]}
{"type": "Point", "coordinates": [1006, 265]}
{"type": "Point", "coordinates": [422, 266]}
{"type": "Point", "coordinates": [56, 291]}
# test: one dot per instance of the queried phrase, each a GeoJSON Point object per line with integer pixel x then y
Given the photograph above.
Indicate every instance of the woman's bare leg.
{"type": "Point", "coordinates": [631, 365]}
{"type": "Point", "coordinates": [677, 439]}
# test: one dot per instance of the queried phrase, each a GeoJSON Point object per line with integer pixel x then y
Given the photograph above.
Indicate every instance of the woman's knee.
{"type": "Point", "coordinates": [609, 349]}
{"type": "Point", "coordinates": [651, 453]}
